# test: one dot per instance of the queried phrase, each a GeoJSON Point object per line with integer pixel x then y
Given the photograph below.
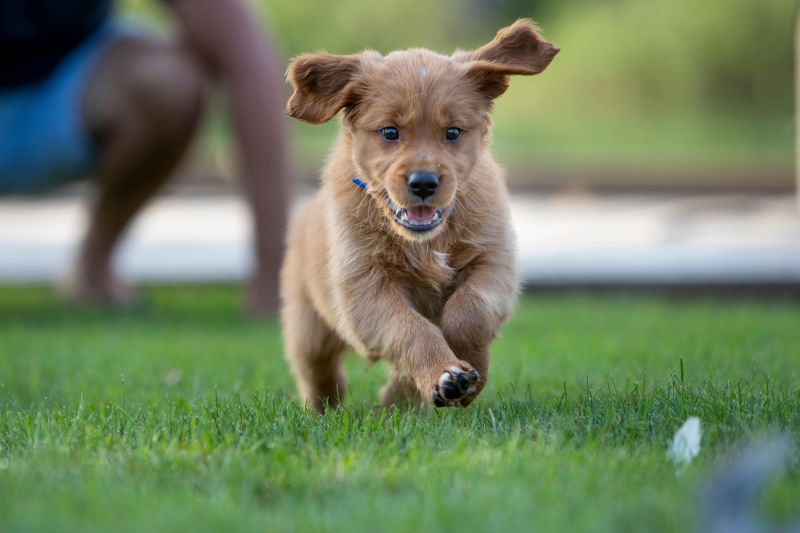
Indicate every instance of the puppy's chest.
{"type": "Point", "coordinates": [430, 278]}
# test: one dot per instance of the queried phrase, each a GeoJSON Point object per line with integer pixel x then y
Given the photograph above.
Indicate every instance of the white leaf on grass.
{"type": "Point", "coordinates": [686, 443]}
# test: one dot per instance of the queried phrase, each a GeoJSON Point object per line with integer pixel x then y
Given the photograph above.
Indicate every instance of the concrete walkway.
{"type": "Point", "coordinates": [563, 239]}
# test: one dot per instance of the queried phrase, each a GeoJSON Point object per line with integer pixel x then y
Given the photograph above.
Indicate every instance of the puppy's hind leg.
{"type": "Point", "coordinates": [314, 353]}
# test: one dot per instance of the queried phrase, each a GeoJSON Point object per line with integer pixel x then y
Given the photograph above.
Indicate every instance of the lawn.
{"type": "Point", "coordinates": [180, 416]}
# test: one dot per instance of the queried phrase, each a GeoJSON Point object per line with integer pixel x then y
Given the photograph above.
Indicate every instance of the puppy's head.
{"type": "Point", "coordinates": [418, 121]}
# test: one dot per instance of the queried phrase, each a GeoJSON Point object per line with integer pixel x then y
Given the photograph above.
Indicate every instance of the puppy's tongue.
{"type": "Point", "coordinates": [421, 215]}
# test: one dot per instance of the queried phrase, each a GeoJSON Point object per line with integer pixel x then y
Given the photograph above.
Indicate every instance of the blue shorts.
{"type": "Point", "coordinates": [43, 139]}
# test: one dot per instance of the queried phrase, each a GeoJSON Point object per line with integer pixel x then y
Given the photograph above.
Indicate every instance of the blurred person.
{"type": "Point", "coordinates": [82, 95]}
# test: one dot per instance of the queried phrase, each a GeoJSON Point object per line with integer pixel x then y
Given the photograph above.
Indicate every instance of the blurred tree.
{"type": "Point", "coordinates": [718, 54]}
{"type": "Point", "coordinates": [711, 79]}
{"type": "Point", "coordinates": [728, 55]}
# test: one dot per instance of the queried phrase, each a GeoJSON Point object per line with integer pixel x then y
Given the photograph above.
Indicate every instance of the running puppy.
{"type": "Point", "coordinates": [406, 253]}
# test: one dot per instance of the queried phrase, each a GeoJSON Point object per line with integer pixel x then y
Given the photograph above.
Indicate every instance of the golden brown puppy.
{"type": "Point", "coordinates": [407, 252]}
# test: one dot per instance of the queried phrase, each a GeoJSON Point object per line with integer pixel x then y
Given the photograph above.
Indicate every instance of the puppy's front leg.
{"type": "Point", "coordinates": [383, 321]}
{"type": "Point", "coordinates": [472, 316]}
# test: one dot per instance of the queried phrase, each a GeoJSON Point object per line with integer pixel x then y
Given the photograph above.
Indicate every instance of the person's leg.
{"type": "Point", "coordinates": [141, 106]}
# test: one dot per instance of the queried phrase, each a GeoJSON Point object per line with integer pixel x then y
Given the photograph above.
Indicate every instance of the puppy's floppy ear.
{"type": "Point", "coordinates": [517, 49]}
{"type": "Point", "coordinates": [321, 84]}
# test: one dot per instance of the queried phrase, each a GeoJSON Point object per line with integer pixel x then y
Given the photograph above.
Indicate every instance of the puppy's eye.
{"type": "Point", "coordinates": [389, 133]}
{"type": "Point", "coordinates": [453, 134]}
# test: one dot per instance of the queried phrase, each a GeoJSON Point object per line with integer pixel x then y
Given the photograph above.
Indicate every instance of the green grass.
{"type": "Point", "coordinates": [180, 416]}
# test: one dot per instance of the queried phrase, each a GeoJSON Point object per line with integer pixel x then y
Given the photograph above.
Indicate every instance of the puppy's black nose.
{"type": "Point", "coordinates": [423, 184]}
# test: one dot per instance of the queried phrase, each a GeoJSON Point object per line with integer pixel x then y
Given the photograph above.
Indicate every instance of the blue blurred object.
{"type": "Point", "coordinates": [43, 142]}
{"type": "Point", "coordinates": [731, 502]}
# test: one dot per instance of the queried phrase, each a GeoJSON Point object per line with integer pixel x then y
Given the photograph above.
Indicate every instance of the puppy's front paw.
{"type": "Point", "coordinates": [457, 386]}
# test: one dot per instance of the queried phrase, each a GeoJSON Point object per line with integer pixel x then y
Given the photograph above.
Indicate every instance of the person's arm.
{"type": "Point", "coordinates": [225, 35]}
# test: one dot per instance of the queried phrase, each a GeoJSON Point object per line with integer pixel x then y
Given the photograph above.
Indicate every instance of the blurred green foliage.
{"type": "Point", "coordinates": [643, 55]}
{"type": "Point", "coordinates": [642, 81]}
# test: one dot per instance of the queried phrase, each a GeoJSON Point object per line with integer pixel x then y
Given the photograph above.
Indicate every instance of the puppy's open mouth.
{"type": "Point", "coordinates": [419, 218]}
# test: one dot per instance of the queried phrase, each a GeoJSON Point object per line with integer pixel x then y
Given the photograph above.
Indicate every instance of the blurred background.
{"type": "Point", "coordinates": [645, 94]}
{"type": "Point", "coordinates": [655, 152]}
{"type": "Point", "coordinates": [657, 148]}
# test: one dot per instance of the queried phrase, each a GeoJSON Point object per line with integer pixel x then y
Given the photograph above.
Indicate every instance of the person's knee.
{"type": "Point", "coordinates": [167, 89]}
{"type": "Point", "coordinates": [147, 90]}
